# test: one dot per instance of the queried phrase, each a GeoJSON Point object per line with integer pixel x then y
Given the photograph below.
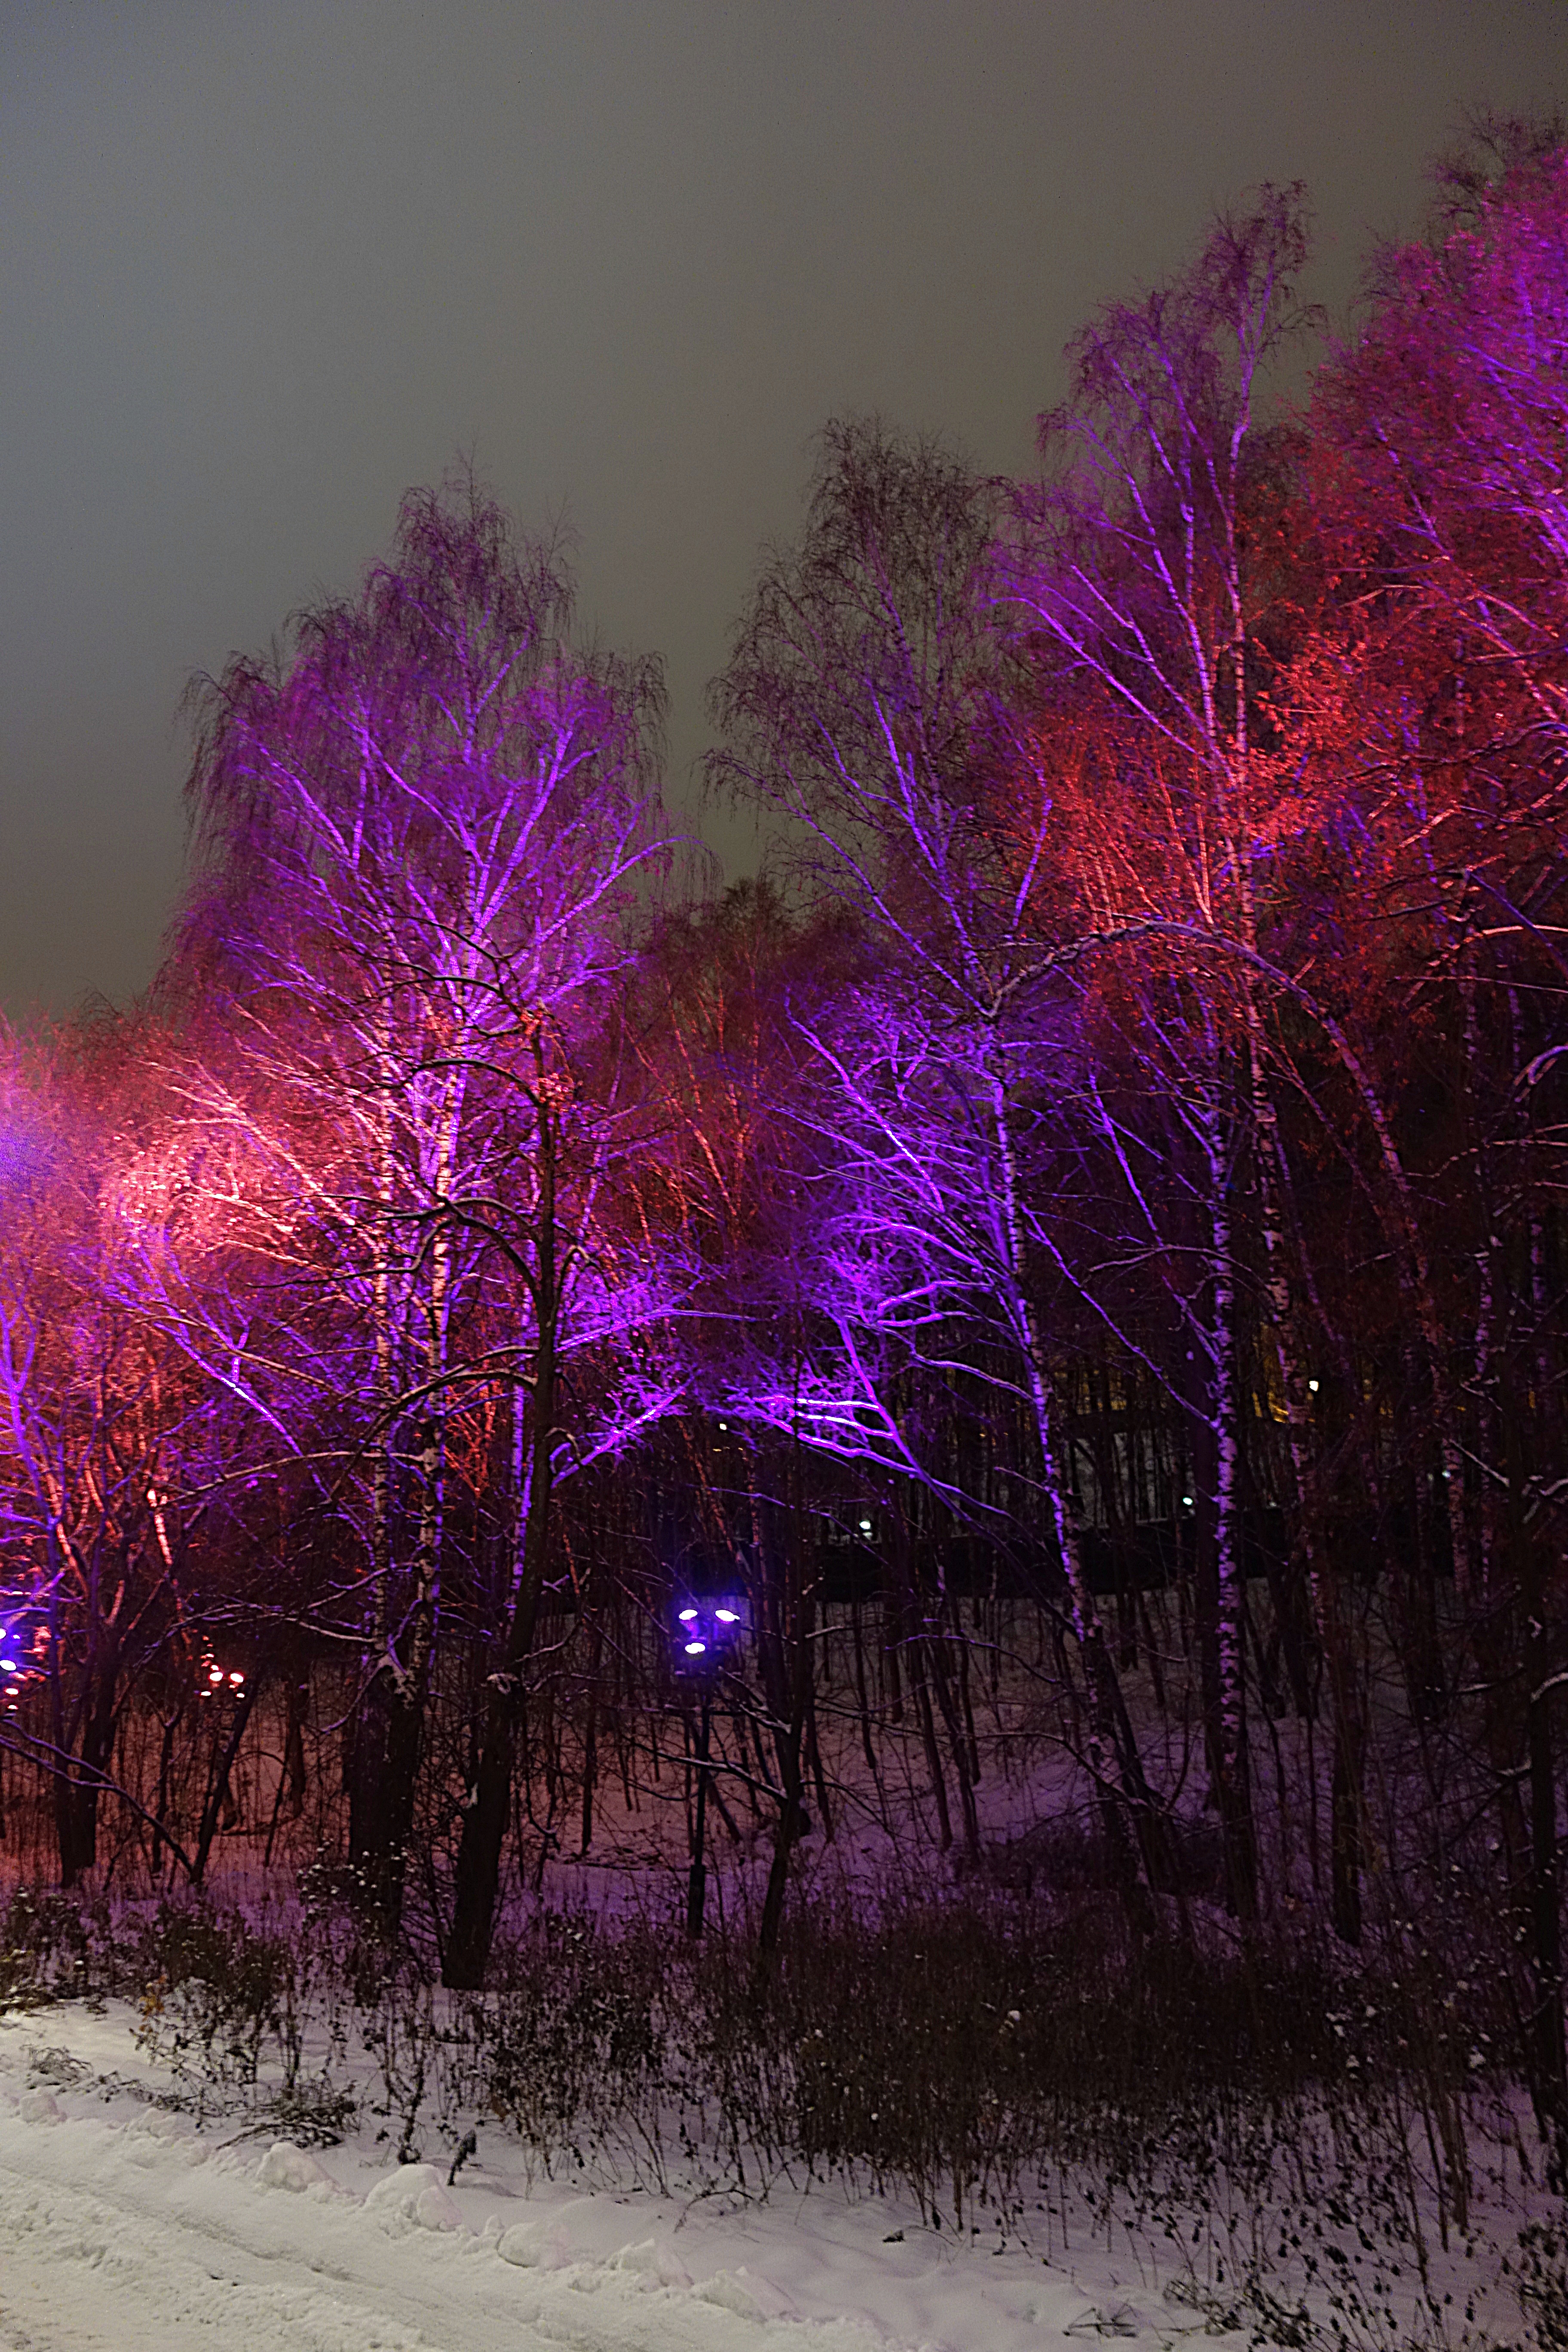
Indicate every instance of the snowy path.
{"type": "Point", "coordinates": [122, 2228]}
{"type": "Point", "coordinates": [123, 2238]}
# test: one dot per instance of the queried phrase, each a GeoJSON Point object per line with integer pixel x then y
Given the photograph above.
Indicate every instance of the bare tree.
{"type": "Point", "coordinates": [422, 829]}
{"type": "Point", "coordinates": [852, 705]}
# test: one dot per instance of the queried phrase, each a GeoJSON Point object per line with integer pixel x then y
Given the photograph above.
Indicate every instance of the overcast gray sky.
{"type": "Point", "coordinates": [265, 265]}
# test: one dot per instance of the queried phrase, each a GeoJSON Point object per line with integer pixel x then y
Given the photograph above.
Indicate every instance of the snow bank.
{"type": "Point", "coordinates": [120, 2223]}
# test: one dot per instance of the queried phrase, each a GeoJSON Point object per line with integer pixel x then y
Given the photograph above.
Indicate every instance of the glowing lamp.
{"type": "Point", "coordinates": [708, 1632]}
{"type": "Point", "coordinates": [708, 1629]}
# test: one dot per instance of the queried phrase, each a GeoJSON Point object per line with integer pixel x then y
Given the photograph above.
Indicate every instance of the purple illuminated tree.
{"type": "Point", "coordinates": [731, 1070]}
{"type": "Point", "coordinates": [852, 705]}
{"type": "Point", "coordinates": [424, 830]}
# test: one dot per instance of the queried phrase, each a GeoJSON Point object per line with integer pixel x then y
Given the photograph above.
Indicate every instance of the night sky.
{"type": "Point", "coordinates": [264, 266]}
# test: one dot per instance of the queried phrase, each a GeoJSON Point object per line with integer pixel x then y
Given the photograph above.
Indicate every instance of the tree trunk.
{"type": "Point", "coordinates": [792, 1810]}
{"type": "Point", "coordinates": [224, 1753]}
{"type": "Point", "coordinates": [1345, 1811]}
{"type": "Point", "coordinates": [490, 1805]}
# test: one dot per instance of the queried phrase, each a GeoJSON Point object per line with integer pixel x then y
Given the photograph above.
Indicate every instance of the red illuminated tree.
{"type": "Point", "coordinates": [1439, 697]}
{"type": "Point", "coordinates": [1141, 575]}
{"type": "Point", "coordinates": [100, 1424]}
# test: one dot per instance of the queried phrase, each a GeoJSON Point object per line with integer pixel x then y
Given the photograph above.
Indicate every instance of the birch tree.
{"type": "Point", "coordinates": [1134, 571]}
{"type": "Point", "coordinates": [851, 705]}
{"type": "Point", "coordinates": [421, 828]}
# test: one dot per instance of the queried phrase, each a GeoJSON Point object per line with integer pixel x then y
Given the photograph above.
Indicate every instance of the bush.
{"type": "Point", "coordinates": [1538, 2271]}
{"type": "Point", "coordinates": [955, 2050]}
{"type": "Point", "coordinates": [575, 2043]}
{"type": "Point", "coordinates": [213, 1990]}
{"type": "Point", "coordinates": [47, 1948]}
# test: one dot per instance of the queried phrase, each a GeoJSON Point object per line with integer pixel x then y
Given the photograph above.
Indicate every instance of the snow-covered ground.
{"type": "Point", "coordinates": [125, 2222]}
{"type": "Point", "coordinates": [123, 2225]}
